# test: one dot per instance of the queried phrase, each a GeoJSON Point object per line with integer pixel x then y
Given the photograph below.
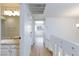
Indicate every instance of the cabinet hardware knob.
{"type": "Point", "coordinates": [72, 47]}
{"type": "Point", "coordinates": [72, 54]}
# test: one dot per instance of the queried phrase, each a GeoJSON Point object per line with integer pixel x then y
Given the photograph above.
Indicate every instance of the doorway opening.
{"type": "Point", "coordinates": [39, 32]}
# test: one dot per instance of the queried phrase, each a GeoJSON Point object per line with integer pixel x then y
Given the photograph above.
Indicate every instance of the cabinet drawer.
{"type": "Point", "coordinates": [5, 46]}
{"type": "Point", "coordinates": [4, 52]}
{"type": "Point", "coordinates": [9, 50]}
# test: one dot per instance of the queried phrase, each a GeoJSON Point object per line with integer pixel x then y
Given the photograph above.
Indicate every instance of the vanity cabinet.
{"type": "Point", "coordinates": [9, 50]}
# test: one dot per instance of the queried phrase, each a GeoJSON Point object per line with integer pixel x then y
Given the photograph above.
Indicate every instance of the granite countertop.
{"type": "Point", "coordinates": [9, 41]}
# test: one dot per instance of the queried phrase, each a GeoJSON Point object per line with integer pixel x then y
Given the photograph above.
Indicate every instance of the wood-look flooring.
{"type": "Point", "coordinates": [38, 49]}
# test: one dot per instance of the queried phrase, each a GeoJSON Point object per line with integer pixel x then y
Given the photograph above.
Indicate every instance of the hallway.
{"type": "Point", "coordinates": [38, 29]}
{"type": "Point", "coordinates": [38, 48]}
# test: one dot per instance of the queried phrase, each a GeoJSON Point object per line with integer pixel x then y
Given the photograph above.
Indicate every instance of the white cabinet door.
{"type": "Point", "coordinates": [9, 50]}
{"type": "Point", "coordinates": [4, 52]}
{"type": "Point", "coordinates": [13, 52]}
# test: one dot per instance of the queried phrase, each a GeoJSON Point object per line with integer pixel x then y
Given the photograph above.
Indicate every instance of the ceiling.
{"type": "Point", "coordinates": [62, 9]}
{"type": "Point", "coordinates": [10, 5]}
{"type": "Point", "coordinates": [34, 8]}
{"type": "Point", "coordinates": [51, 9]}
{"type": "Point", "coordinates": [37, 11]}
{"type": "Point", "coordinates": [37, 8]}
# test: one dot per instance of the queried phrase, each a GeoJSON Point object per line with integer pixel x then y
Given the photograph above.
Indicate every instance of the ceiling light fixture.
{"type": "Point", "coordinates": [77, 25]}
{"type": "Point", "coordinates": [11, 13]}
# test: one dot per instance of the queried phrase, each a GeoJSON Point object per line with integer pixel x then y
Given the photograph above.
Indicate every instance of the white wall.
{"type": "Point", "coordinates": [60, 28]}
{"type": "Point", "coordinates": [63, 28]}
{"type": "Point", "coordinates": [25, 25]}
{"type": "Point", "coordinates": [77, 22]}
{"type": "Point", "coordinates": [33, 32]}
{"type": "Point", "coordinates": [0, 29]}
